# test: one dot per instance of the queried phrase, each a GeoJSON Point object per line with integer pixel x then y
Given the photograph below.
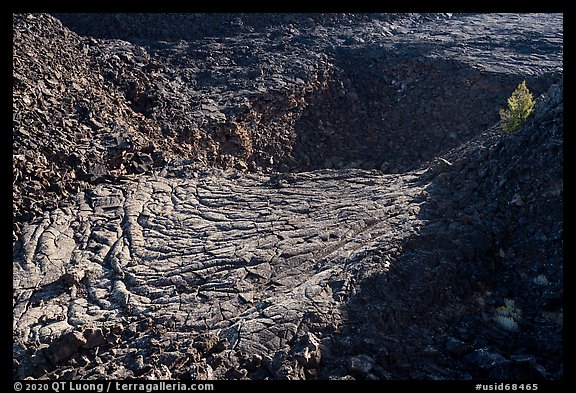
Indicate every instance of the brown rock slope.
{"type": "Point", "coordinates": [71, 128]}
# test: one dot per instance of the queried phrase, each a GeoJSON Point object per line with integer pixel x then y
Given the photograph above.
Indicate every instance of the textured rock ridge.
{"type": "Point", "coordinates": [286, 197]}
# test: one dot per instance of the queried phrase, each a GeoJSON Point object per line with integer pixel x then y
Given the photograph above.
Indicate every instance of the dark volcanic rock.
{"type": "Point", "coordinates": [286, 197]}
{"type": "Point", "coordinates": [65, 346]}
{"type": "Point", "coordinates": [307, 352]}
{"type": "Point", "coordinates": [486, 361]}
{"type": "Point", "coordinates": [275, 98]}
{"type": "Point", "coordinates": [94, 338]}
{"type": "Point", "coordinates": [360, 365]}
{"type": "Point", "coordinates": [65, 118]}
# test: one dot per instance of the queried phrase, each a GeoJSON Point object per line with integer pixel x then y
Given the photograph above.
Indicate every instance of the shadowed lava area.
{"type": "Point", "coordinates": [279, 196]}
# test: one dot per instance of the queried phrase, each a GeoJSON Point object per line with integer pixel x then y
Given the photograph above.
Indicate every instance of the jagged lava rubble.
{"type": "Point", "coordinates": [324, 196]}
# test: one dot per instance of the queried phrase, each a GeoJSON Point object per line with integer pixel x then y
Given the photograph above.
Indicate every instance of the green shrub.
{"type": "Point", "coordinates": [508, 315]}
{"type": "Point", "coordinates": [520, 106]}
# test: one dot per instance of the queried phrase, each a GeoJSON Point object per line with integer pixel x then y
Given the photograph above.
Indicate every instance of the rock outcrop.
{"type": "Point", "coordinates": [316, 197]}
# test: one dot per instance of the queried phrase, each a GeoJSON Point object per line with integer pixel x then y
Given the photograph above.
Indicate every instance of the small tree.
{"type": "Point", "coordinates": [520, 106]}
